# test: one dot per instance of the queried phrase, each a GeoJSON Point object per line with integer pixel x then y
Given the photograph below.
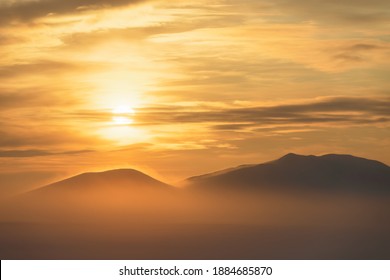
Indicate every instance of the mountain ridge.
{"type": "Point", "coordinates": [330, 171]}
{"type": "Point", "coordinates": [116, 179]}
{"type": "Point", "coordinates": [294, 170]}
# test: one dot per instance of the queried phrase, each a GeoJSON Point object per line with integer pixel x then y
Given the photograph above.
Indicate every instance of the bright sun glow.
{"type": "Point", "coordinates": [122, 120]}
{"type": "Point", "coordinates": [122, 115]}
{"type": "Point", "coordinates": [123, 110]}
{"type": "Point", "coordinates": [120, 128]}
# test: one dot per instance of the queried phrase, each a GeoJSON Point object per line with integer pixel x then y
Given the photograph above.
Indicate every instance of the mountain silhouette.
{"type": "Point", "coordinates": [107, 195]}
{"type": "Point", "coordinates": [126, 214]}
{"type": "Point", "coordinates": [327, 172]}
{"type": "Point", "coordinates": [119, 181]}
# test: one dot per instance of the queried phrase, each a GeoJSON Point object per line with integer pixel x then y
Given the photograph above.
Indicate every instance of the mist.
{"type": "Point", "coordinates": [186, 224]}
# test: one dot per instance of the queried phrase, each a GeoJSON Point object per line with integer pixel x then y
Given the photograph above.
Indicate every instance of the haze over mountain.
{"type": "Point", "coordinates": [331, 171]}
{"type": "Point", "coordinates": [126, 214]}
{"type": "Point", "coordinates": [97, 195]}
{"type": "Point", "coordinates": [118, 180]}
{"type": "Point", "coordinates": [327, 172]}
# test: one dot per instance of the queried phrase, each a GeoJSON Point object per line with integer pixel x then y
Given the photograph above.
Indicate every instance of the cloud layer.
{"type": "Point", "coordinates": [242, 80]}
{"type": "Point", "coordinates": [27, 11]}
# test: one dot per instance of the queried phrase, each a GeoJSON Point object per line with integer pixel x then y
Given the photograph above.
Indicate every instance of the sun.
{"type": "Point", "coordinates": [122, 120]}
{"type": "Point", "coordinates": [122, 115]}
{"type": "Point", "coordinates": [122, 128]}
{"type": "Point", "coordinates": [122, 109]}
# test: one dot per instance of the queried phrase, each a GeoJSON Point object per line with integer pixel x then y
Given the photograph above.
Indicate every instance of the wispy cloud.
{"type": "Point", "coordinates": [230, 78]}
{"type": "Point", "coordinates": [37, 153]}
{"type": "Point", "coordinates": [354, 12]}
{"type": "Point", "coordinates": [27, 11]}
{"type": "Point", "coordinates": [340, 110]}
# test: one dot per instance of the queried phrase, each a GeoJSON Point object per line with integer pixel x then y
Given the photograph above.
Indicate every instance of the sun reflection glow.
{"type": "Point", "coordinates": [121, 129]}
{"type": "Point", "coordinates": [122, 120]}
{"type": "Point", "coordinates": [122, 115]}
{"type": "Point", "coordinates": [122, 109]}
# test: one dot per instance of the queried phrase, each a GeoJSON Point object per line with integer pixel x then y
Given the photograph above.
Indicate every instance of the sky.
{"type": "Point", "coordinates": [179, 88]}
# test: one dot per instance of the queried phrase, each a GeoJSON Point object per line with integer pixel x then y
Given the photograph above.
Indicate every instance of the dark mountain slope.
{"type": "Point", "coordinates": [341, 172]}
{"type": "Point", "coordinates": [112, 180]}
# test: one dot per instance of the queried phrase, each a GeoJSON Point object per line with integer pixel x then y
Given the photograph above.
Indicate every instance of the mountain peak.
{"type": "Point", "coordinates": [293, 171]}
{"type": "Point", "coordinates": [293, 156]}
{"type": "Point", "coordinates": [110, 180]}
{"type": "Point", "coordinates": [115, 172]}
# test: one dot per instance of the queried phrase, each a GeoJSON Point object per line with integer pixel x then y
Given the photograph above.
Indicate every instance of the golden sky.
{"type": "Point", "coordinates": [177, 88]}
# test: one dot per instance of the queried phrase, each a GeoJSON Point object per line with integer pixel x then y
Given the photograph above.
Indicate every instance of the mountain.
{"type": "Point", "coordinates": [327, 172]}
{"type": "Point", "coordinates": [97, 196]}
{"type": "Point", "coordinates": [113, 182]}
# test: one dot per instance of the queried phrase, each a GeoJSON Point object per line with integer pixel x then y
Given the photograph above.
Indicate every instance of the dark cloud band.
{"type": "Point", "coordinates": [334, 110]}
{"type": "Point", "coordinates": [28, 11]}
